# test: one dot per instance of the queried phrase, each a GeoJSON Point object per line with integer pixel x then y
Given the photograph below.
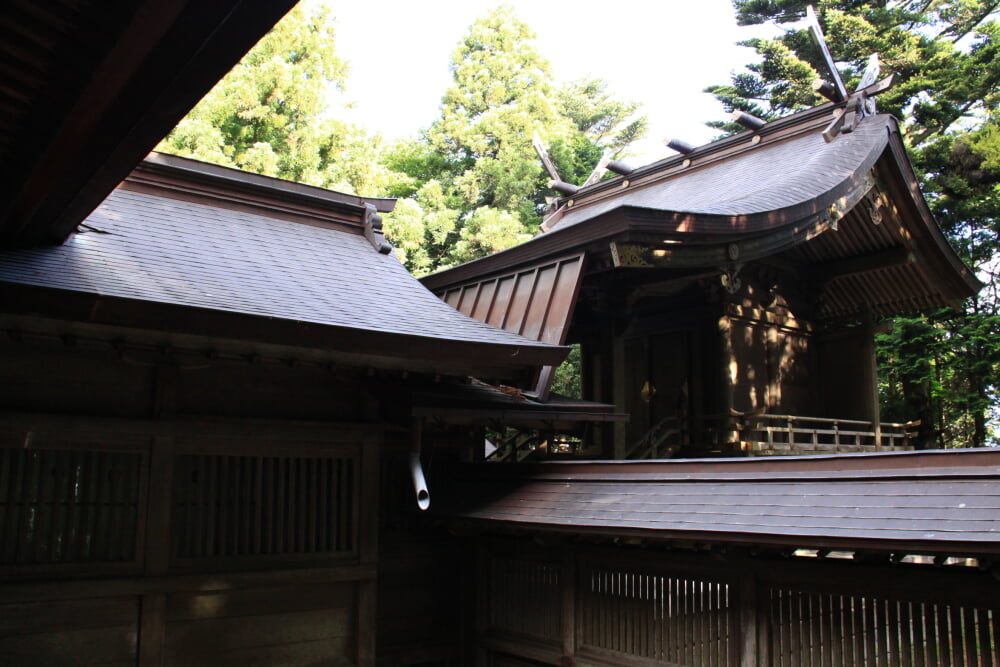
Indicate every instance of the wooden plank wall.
{"type": "Point", "coordinates": [140, 524]}
{"type": "Point", "coordinates": [586, 606]}
{"type": "Point", "coordinates": [536, 302]}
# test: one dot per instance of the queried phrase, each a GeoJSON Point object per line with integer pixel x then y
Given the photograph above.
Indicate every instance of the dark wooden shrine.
{"type": "Point", "coordinates": [222, 401]}
{"type": "Point", "coordinates": [727, 299]}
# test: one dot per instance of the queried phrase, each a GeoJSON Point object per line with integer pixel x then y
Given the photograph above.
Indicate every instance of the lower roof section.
{"type": "Point", "coordinates": [195, 249]}
{"type": "Point", "coordinates": [945, 502]}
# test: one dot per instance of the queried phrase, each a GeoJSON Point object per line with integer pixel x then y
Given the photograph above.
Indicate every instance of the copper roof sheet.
{"type": "Point", "coordinates": [781, 174]}
{"type": "Point", "coordinates": [780, 191]}
{"type": "Point", "coordinates": [923, 501]}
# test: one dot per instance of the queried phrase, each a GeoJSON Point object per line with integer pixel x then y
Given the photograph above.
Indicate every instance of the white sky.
{"type": "Point", "coordinates": [661, 54]}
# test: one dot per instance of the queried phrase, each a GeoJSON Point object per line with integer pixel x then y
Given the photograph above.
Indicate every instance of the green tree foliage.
{"type": "Point", "coordinates": [270, 114]}
{"type": "Point", "coordinates": [946, 57]}
{"type": "Point", "coordinates": [478, 154]}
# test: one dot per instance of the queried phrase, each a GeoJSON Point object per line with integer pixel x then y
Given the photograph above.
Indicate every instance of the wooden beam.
{"type": "Point", "coordinates": [543, 155]}
{"type": "Point", "coordinates": [864, 263]}
{"type": "Point", "coordinates": [817, 34]}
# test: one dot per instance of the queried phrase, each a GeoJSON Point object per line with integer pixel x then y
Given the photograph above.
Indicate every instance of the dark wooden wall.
{"type": "Point", "coordinates": [166, 507]}
{"type": "Point", "coordinates": [589, 606]}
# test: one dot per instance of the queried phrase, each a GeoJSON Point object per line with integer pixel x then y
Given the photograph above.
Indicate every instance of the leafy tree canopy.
{"type": "Point", "coordinates": [271, 115]}
{"type": "Point", "coordinates": [479, 151]}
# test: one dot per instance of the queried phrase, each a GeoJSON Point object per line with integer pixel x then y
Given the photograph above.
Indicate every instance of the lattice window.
{"type": "Point", "coordinates": [68, 506]}
{"type": "Point", "coordinates": [816, 628]}
{"type": "Point", "coordinates": [524, 597]}
{"type": "Point", "coordinates": [235, 506]}
{"type": "Point", "coordinates": [680, 620]}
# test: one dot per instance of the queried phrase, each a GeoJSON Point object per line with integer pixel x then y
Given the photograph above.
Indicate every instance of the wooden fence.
{"type": "Point", "coordinates": [772, 435]}
{"type": "Point", "coordinates": [593, 606]}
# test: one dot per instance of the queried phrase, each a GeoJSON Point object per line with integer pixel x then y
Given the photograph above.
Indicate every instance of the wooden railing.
{"type": "Point", "coordinates": [724, 435]}
{"type": "Point", "coordinates": [791, 434]}
{"type": "Point", "coordinates": [770, 435]}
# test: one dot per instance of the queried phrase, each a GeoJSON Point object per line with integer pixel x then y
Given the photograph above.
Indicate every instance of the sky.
{"type": "Point", "coordinates": [661, 53]}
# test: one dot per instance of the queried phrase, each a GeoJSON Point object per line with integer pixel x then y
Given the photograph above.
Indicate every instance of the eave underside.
{"type": "Point", "coordinates": [90, 88]}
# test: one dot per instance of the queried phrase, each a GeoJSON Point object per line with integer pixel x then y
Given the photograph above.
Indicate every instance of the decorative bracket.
{"type": "Point", "coordinates": [856, 108]}
{"type": "Point", "coordinates": [372, 223]}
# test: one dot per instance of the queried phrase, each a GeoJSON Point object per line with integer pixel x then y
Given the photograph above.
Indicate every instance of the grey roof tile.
{"type": "Point", "coordinates": [158, 249]}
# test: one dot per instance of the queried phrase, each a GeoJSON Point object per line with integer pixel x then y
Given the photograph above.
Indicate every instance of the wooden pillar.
{"type": "Point", "coordinates": [727, 375]}
{"type": "Point", "coordinates": [871, 371]}
{"type": "Point", "coordinates": [618, 394]}
{"type": "Point", "coordinates": [155, 525]}
{"type": "Point", "coordinates": [749, 622]}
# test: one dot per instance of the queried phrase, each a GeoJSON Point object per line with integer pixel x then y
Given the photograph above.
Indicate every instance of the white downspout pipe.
{"type": "Point", "coordinates": [416, 469]}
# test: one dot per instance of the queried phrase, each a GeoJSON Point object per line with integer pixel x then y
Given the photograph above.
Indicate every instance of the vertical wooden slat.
{"type": "Point", "coordinates": [269, 504]}
{"type": "Point", "coordinates": [934, 656]}
{"type": "Point", "coordinates": [209, 507]}
{"type": "Point", "coordinates": [857, 629]}
{"type": "Point", "coordinates": [905, 625]}
{"type": "Point", "coordinates": [13, 474]}
{"type": "Point", "coordinates": [126, 537]}
{"type": "Point", "coordinates": [94, 503]}
{"type": "Point", "coordinates": [918, 614]}
{"type": "Point", "coordinates": [302, 505]}
{"type": "Point", "coordinates": [871, 654]}
{"type": "Point", "coordinates": [957, 636]}
{"type": "Point", "coordinates": [314, 505]}
{"type": "Point", "coordinates": [835, 630]}
{"type": "Point", "coordinates": [749, 621]}
{"type": "Point", "coordinates": [116, 500]}
{"type": "Point", "coordinates": [697, 599]}
{"type": "Point", "coordinates": [688, 606]}
{"type": "Point", "coordinates": [893, 633]}
{"type": "Point", "coordinates": [711, 617]}
{"type": "Point", "coordinates": [815, 628]}
{"type": "Point", "coordinates": [994, 614]}
{"type": "Point", "coordinates": [78, 463]}
{"type": "Point", "coordinates": [57, 525]}
{"type": "Point", "coordinates": [971, 637]}
{"type": "Point", "coordinates": [280, 518]}
{"type": "Point", "coordinates": [38, 519]}
{"type": "Point", "coordinates": [157, 548]}
{"type": "Point", "coordinates": [987, 648]}
{"type": "Point", "coordinates": [223, 521]}
{"type": "Point", "coordinates": [942, 634]}
{"type": "Point", "coordinates": [674, 628]}
{"type": "Point", "coordinates": [258, 506]}
{"type": "Point", "coordinates": [795, 629]}
{"type": "Point", "coordinates": [326, 491]}
{"type": "Point", "coordinates": [364, 513]}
